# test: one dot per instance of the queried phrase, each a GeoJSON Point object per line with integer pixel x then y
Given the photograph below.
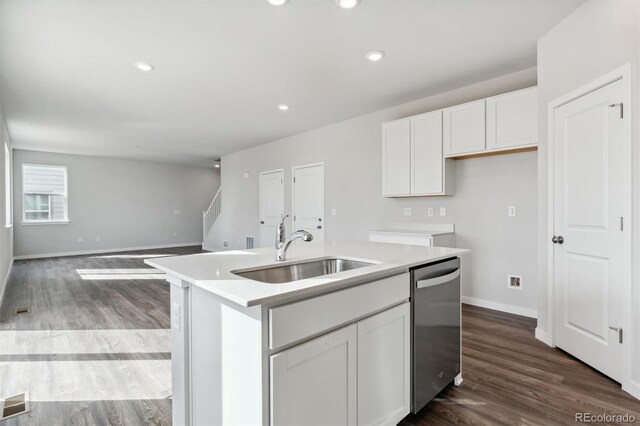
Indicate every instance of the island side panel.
{"type": "Point", "coordinates": [180, 368]}
{"type": "Point", "coordinates": [226, 353]}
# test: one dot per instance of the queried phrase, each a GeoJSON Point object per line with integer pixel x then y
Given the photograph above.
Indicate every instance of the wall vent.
{"type": "Point", "coordinates": [14, 405]}
{"type": "Point", "coordinates": [248, 242]}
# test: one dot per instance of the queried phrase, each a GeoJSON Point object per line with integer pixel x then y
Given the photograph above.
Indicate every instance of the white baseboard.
{"type": "Point", "coordinates": [632, 388]}
{"type": "Point", "coordinates": [525, 312]}
{"type": "Point", "coordinates": [6, 278]}
{"type": "Point", "coordinates": [99, 251]}
{"type": "Point", "coordinates": [543, 337]}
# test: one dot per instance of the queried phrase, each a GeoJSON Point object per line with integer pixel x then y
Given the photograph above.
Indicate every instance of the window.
{"type": "Point", "coordinates": [45, 194]}
{"type": "Point", "coordinates": [8, 207]}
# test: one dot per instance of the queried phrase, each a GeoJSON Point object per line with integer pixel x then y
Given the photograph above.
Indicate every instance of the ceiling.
{"type": "Point", "coordinates": [68, 83]}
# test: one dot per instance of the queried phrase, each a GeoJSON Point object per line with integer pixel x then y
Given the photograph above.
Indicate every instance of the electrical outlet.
{"type": "Point", "coordinates": [511, 211]}
{"type": "Point", "coordinates": [430, 211]}
{"type": "Point", "coordinates": [334, 212]}
{"type": "Point", "coordinates": [175, 316]}
{"type": "Point", "coordinates": [225, 244]}
{"type": "Point", "coordinates": [514, 282]}
{"type": "Point", "coordinates": [80, 239]}
{"type": "Point", "coordinates": [407, 211]}
{"type": "Point", "coordinates": [443, 211]}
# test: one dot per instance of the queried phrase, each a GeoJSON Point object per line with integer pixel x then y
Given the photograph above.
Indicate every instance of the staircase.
{"type": "Point", "coordinates": [210, 216]}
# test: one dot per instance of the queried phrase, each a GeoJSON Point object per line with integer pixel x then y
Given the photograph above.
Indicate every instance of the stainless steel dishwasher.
{"type": "Point", "coordinates": [435, 337]}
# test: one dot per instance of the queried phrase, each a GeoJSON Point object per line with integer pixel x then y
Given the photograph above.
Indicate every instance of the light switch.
{"type": "Point", "coordinates": [175, 316]}
{"type": "Point", "coordinates": [443, 211]}
{"type": "Point", "coordinates": [430, 211]}
{"type": "Point", "coordinates": [334, 212]}
{"type": "Point", "coordinates": [407, 211]}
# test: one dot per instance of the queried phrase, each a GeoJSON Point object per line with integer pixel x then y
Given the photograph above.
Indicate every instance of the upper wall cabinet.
{"type": "Point", "coordinates": [512, 119]}
{"type": "Point", "coordinates": [396, 158]}
{"type": "Point", "coordinates": [412, 160]}
{"type": "Point", "coordinates": [464, 129]}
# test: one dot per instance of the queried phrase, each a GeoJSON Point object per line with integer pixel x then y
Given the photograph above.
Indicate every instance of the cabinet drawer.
{"type": "Point", "coordinates": [299, 320]}
{"type": "Point", "coordinates": [401, 239]}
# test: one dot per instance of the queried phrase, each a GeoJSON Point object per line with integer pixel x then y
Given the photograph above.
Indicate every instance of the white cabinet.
{"type": "Point", "coordinates": [512, 120]}
{"type": "Point", "coordinates": [315, 383]}
{"type": "Point", "coordinates": [412, 160]}
{"type": "Point", "coordinates": [361, 371]}
{"type": "Point", "coordinates": [396, 154]}
{"type": "Point", "coordinates": [464, 129]}
{"type": "Point", "coordinates": [431, 174]}
{"type": "Point", "coordinates": [384, 381]}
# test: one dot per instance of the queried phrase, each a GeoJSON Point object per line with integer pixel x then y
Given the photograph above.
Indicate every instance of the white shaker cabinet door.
{"type": "Point", "coordinates": [396, 158]}
{"type": "Point", "coordinates": [464, 129]}
{"type": "Point", "coordinates": [427, 166]}
{"type": "Point", "coordinates": [512, 119]}
{"type": "Point", "coordinates": [384, 381]}
{"type": "Point", "coordinates": [314, 383]}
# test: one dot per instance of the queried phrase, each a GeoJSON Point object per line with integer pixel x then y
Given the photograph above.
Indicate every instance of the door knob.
{"type": "Point", "coordinates": [557, 240]}
{"type": "Point", "coordinates": [319, 227]}
{"type": "Point", "coordinates": [262, 222]}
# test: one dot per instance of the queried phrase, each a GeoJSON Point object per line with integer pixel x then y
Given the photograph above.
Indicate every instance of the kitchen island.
{"type": "Point", "coordinates": [330, 349]}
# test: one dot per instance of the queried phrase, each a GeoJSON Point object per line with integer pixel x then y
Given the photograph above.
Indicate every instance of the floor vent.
{"type": "Point", "coordinates": [22, 311]}
{"type": "Point", "coordinates": [248, 243]}
{"type": "Point", "coordinates": [14, 405]}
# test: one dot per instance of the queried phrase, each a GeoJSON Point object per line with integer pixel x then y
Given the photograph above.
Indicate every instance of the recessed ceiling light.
{"type": "Point", "coordinates": [283, 107]}
{"type": "Point", "coordinates": [278, 2]}
{"type": "Point", "coordinates": [347, 4]}
{"type": "Point", "coordinates": [375, 55]}
{"type": "Point", "coordinates": [143, 66]}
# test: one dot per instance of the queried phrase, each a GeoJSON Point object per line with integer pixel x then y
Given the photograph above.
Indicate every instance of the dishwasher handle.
{"type": "Point", "coordinates": [438, 280]}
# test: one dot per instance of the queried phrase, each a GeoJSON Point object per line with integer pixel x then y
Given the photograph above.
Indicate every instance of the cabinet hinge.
{"type": "Point", "coordinates": [621, 105]}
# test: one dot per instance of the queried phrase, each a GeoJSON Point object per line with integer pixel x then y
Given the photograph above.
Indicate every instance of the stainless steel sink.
{"type": "Point", "coordinates": [278, 274]}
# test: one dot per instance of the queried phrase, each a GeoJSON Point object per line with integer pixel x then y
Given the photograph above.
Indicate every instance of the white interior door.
{"type": "Point", "coordinates": [271, 205]}
{"type": "Point", "coordinates": [308, 200]}
{"type": "Point", "coordinates": [592, 215]}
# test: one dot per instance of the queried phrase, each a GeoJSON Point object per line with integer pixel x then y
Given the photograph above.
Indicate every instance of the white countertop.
{"type": "Point", "coordinates": [212, 271]}
{"type": "Point", "coordinates": [411, 232]}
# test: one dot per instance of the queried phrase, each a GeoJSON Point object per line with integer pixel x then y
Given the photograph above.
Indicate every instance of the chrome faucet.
{"type": "Point", "coordinates": [282, 243]}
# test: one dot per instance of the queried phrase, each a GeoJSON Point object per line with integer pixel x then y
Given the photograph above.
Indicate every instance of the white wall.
{"type": "Point", "coordinates": [6, 233]}
{"type": "Point", "coordinates": [599, 37]}
{"type": "Point", "coordinates": [125, 203]}
{"type": "Point", "coordinates": [351, 151]}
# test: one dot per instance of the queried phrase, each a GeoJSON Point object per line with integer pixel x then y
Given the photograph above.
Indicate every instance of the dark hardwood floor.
{"type": "Point", "coordinates": [510, 378]}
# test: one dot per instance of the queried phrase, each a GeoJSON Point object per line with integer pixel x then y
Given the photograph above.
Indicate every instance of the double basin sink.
{"type": "Point", "coordinates": [279, 274]}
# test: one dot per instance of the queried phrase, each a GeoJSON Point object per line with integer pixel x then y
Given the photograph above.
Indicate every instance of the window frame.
{"type": "Point", "coordinates": [65, 196]}
{"type": "Point", "coordinates": [8, 186]}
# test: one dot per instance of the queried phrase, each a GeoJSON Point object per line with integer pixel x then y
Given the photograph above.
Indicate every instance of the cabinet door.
{"type": "Point", "coordinates": [315, 383]}
{"type": "Point", "coordinates": [426, 154]}
{"type": "Point", "coordinates": [384, 367]}
{"type": "Point", "coordinates": [512, 119]}
{"type": "Point", "coordinates": [464, 129]}
{"type": "Point", "coordinates": [396, 141]}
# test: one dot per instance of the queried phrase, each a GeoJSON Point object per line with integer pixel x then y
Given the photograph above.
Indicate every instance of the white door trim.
{"type": "Point", "coordinates": [293, 191]}
{"type": "Point", "coordinates": [266, 172]}
{"type": "Point", "coordinates": [624, 73]}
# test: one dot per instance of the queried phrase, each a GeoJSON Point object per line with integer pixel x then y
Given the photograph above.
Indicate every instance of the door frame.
{"type": "Point", "coordinates": [293, 194]}
{"type": "Point", "coordinates": [623, 73]}
{"type": "Point", "coordinates": [266, 172]}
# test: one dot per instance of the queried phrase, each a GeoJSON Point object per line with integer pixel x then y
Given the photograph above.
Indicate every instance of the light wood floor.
{"type": "Point", "coordinates": [91, 335]}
